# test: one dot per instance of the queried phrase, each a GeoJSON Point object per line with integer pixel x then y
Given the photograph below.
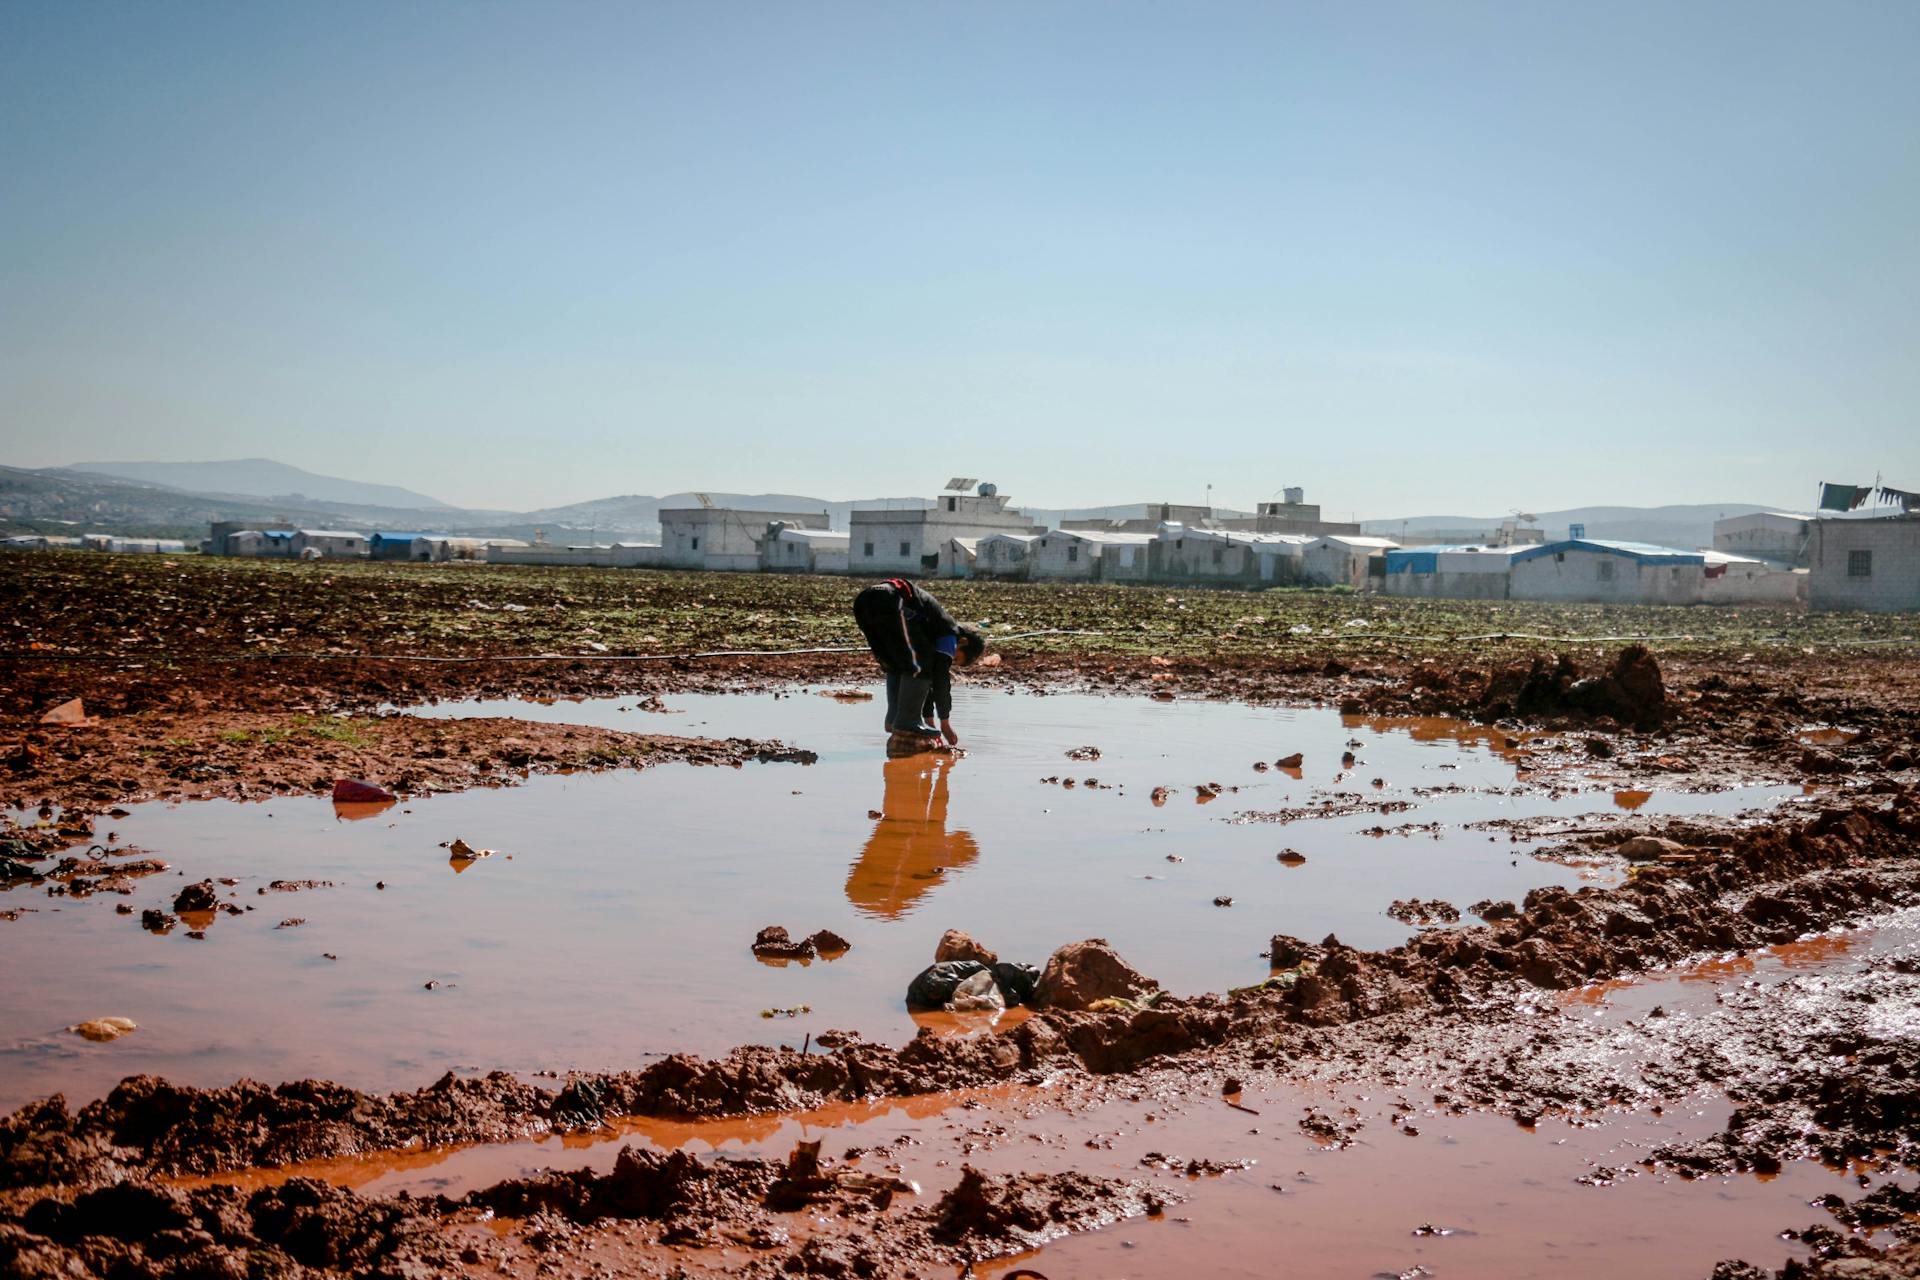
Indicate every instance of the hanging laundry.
{"type": "Point", "coordinates": [1843, 497]}
{"type": "Point", "coordinates": [1900, 498]}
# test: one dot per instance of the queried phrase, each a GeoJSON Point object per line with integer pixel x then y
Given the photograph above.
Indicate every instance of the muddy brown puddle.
{"type": "Point", "coordinates": [612, 922]}
{"type": "Point", "coordinates": [1416, 1190]}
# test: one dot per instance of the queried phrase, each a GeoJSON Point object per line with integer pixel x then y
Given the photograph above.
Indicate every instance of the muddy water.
{"type": "Point", "coordinates": [1417, 1186]}
{"type": "Point", "coordinates": [613, 921]}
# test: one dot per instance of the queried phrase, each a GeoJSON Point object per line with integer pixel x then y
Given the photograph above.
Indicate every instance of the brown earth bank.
{"type": "Point", "coordinates": [1455, 1002]}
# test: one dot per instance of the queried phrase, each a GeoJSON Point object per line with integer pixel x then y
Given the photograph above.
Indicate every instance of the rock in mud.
{"type": "Point", "coordinates": [828, 943]}
{"type": "Point", "coordinates": [955, 945]}
{"type": "Point", "coordinates": [1293, 761]}
{"type": "Point", "coordinates": [1291, 857]}
{"type": "Point", "coordinates": [102, 1029]}
{"type": "Point", "coordinates": [154, 920]}
{"type": "Point", "coordinates": [775, 943]}
{"type": "Point", "coordinates": [1084, 753]}
{"type": "Point", "coordinates": [196, 897]}
{"type": "Point", "coordinates": [1648, 848]}
{"type": "Point", "coordinates": [1083, 973]}
{"type": "Point", "coordinates": [1490, 909]}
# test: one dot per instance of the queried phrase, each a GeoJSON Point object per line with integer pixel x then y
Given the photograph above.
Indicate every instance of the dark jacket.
{"type": "Point", "coordinates": [903, 624]}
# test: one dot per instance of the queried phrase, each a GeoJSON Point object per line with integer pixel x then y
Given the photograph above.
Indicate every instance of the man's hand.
{"type": "Point", "coordinates": [946, 731]}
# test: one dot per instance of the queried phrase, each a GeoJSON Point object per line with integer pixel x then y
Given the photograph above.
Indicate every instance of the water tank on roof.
{"type": "Point", "coordinates": [1294, 495]}
{"type": "Point", "coordinates": [988, 490]}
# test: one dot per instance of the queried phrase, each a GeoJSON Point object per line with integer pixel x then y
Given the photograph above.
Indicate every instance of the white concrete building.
{"type": "Point", "coordinates": [721, 538]}
{"type": "Point", "coordinates": [790, 550]}
{"type": "Point", "coordinates": [1086, 555]}
{"type": "Point", "coordinates": [1004, 555]}
{"type": "Point", "coordinates": [329, 544]}
{"type": "Point", "coordinates": [275, 543]}
{"type": "Point", "coordinates": [907, 540]}
{"type": "Point", "coordinates": [1871, 564]}
{"type": "Point", "coordinates": [1472, 572]}
{"type": "Point", "coordinates": [143, 546]}
{"type": "Point", "coordinates": [1594, 569]}
{"type": "Point", "coordinates": [1184, 554]}
{"type": "Point", "coordinates": [1779, 537]}
{"type": "Point", "coordinates": [548, 554]}
{"type": "Point", "coordinates": [1341, 559]}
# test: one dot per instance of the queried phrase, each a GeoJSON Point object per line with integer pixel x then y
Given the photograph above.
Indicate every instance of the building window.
{"type": "Point", "coordinates": [1605, 570]}
{"type": "Point", "coordinates": [868, 553]}
{"type": "Point", "coordinates": [1219, 555]}
{"type": "Point", "coordinates": [950, 504]}
{"type": "Point", "coordinates": [906, 548]}
{"type": "Point", "coordinates": [1073, 553]}
{"type": "Point", "coordinates": [696, 544]}
{"type": "Point", "coordinates": [1859, 564]}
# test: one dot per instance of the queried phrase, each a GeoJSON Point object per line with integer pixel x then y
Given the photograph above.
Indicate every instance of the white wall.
{"type": "Point", "coordinates": [1447, 586]}
{"type": "Point", "coordinates": [1892, 581]}
{"type": "Point", "coordinates": [1601, 577]}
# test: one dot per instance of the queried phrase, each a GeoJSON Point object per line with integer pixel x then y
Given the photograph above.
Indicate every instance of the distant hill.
{"type": "Point", "coordinates": [262, 478]}
{"type": "Point", "coordinates": [1686, 526]}
{"type": "Point", "coordinates": [91, 499]}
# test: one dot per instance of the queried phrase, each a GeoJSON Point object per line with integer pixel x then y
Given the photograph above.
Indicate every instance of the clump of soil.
{"type": "Point", "coordinates": [1026, 1210]}
{"type": "Point", "coordinates": [775, 943]}
{"type": "Point", "coordinates": [1419, 911]}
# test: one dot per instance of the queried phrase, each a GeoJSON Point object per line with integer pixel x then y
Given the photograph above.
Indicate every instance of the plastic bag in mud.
{"type": "Point", "coordinates": [936, 983]}
{"type": "Point", "coordinates": [934, 988]}
{"type": "Point", "coordinates": [978, 994]}
{"type": "Point", "coordinates": [1016, 981]}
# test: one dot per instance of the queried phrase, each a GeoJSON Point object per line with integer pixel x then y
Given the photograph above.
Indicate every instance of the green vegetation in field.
{"type": "Point", "coordinates": [303, 726]}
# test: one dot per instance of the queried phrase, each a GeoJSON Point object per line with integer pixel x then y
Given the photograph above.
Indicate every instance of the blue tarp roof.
{"type": "Point", "coordinates": [1643, 552]}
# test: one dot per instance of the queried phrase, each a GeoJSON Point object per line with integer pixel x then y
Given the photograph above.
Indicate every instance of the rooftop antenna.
{"type": "Point", "coordinates": [705, 502]}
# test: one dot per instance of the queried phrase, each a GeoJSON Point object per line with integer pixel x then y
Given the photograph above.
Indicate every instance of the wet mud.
{"type": "Point", "coordinates": [1538, 1013]}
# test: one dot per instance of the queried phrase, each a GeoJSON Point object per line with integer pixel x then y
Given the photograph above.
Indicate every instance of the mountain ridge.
{"type": "Point", "coordinates": [262, 478]}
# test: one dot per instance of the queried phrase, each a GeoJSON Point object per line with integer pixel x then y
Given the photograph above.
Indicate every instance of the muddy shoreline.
{"type": "Point", "coordinates": [1343, 1011]}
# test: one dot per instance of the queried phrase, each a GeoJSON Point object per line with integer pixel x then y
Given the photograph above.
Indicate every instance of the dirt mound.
{"type": "Point", "coordinates": [1082, 974]}
{"type": "Point", "coordinates": [672, 1187]}
{"type": "Point", "coordinates": [1025, 1210]}
{"type": "Point", "coordinates": [1631, 691]}
{"type": "Point", "coordinates": [136, 1230]}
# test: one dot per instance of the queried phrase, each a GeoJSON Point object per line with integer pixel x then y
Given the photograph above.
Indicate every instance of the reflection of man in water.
{"type": "Point", "coordinates": [910, 850]}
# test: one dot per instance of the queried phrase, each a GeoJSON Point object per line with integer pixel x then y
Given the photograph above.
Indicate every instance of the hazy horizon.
{"type": "Point", "coordinates": [1436, 259]}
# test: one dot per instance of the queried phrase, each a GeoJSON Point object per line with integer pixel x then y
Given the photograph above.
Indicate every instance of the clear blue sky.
{"type": "Point", "coordinates": [1440, 258]}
